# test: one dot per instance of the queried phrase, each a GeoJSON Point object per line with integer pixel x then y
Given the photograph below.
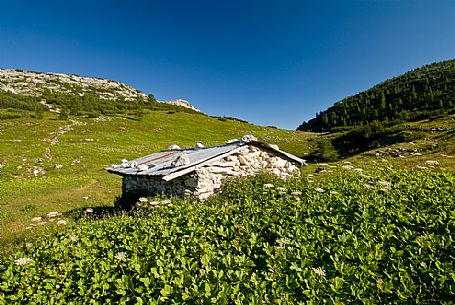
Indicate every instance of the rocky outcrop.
{"type": "Point", "coordinates": [181, 103]}
{"type": "Point", "coordinates": [35, 83]}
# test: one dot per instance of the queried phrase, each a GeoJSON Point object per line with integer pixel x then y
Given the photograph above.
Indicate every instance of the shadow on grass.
{"type": "Point", "coordinates": [123, 205]}
{"type": "Point", "coordinates": [93, 213]}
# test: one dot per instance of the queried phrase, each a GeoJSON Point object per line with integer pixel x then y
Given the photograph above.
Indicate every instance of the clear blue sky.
{"type": "Point", "coordinates": [268, 62]}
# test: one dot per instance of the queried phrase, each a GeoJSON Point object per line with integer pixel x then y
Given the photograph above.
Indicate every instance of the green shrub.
{"type": "Point", "coordinates": [385, 238]}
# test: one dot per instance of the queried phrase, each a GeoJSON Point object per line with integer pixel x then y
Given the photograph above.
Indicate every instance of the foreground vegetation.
{"type": "Point", "coordinates": [374, 237]}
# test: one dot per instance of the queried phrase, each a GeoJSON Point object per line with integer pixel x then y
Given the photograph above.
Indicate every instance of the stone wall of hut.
{"type": "Point", "coordinates": [154, 185]}
{"type": "Point", "coordinates": [208, 178]}
{"type": "Point", "coordinates": [248, 161]}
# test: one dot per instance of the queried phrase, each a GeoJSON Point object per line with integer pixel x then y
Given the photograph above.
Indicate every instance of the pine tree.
{"type": "Point", "coordinates": [383, 104]}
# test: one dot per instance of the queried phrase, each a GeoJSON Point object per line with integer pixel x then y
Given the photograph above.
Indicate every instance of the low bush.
{"type": "Point", "coordinates": [383, 238]}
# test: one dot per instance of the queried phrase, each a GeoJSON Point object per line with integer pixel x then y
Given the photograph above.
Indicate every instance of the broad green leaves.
{"type": "Point", "coordinates": [386, 238]}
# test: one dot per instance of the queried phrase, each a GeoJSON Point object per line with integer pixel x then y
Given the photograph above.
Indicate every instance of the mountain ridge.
{"type": "Point", "coordinates": [421, 93]}
{"type": "Point", "coordinates": [41, 84]}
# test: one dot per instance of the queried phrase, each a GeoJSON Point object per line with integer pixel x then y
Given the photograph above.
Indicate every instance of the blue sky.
{"type": "Point", "coordinates": [268, 62]}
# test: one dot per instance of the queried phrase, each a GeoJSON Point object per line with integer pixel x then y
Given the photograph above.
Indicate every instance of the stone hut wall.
{"type": "Point", "coordinates": [248, 161]}
{"type": "Point", "coordinates": [154, 185]}
{"type": "Point", "coordinates": [207, 179]}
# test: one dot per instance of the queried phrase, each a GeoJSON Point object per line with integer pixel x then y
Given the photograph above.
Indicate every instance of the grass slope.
{"type": "Point", "coordinates": [84, 147]}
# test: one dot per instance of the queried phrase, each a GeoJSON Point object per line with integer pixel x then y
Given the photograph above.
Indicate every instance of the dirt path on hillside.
{"type": "Point", "coordinates": [55, 136]}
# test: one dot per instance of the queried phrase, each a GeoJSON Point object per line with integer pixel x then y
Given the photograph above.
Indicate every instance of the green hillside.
{"type": "Point", "coordinates": [70, 157]}
{"type": "Point", "coordinates": [375, 224]}
{"type": "Point", "coordinates": [419, 94]}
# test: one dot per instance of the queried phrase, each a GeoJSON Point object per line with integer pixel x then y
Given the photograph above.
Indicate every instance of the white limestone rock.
{"type": "Point", "coordinates": [143, 167]}
{"type": "Point", "coordinates": [248, 138]}
{"type": "Point", "coordinates": [181, 160]}
{"type": "Point", "coordinates": [173, 147]}
{"type": "Point", "coordinates": [244, 160]}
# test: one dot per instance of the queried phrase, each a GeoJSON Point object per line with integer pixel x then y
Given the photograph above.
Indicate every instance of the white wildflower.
{"type": "Point", "coordinates": [385, 184]}
{"type": "Point", "coordinates": [268, 185]}
{"type": "Point", "coordinates": [74, 238]}
{"type": "Point", "coordinates": [166, 201]}
{"type": "Point", "coordinates": [120, 256]}
{"type": "Point", "coordinates": [320, 190]}
{"type": "Point", "coordinates": [283, 241]}
{"type": "Point", "coordinates": [358, 170]}
{"type": "Point", "coordinates": [367, 186]}
{"type": "Point", "coordinates": [154, 202]}
{"type": "Point", "coordinates": [22, 261]}
{"type": "Point", "coordinates": [142, 199]}
{"type": "Point", "coordinates": [319, 271]}
{"type": "Point", "coordinates": [296, 193]}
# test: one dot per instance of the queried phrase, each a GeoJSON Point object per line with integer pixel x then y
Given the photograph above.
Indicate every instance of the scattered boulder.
{"type": "Point", "coordinates": [248, 138]}
{"type": "Point", "coordinates": [181, 160]}
{"type": "Point", "coordinates": [173, 147]}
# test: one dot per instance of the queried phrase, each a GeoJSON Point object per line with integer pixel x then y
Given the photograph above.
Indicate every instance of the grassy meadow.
{"type": "Point", "coordinates": [83, 147]}
{"type": "Point", "coordinates": [375, 228]}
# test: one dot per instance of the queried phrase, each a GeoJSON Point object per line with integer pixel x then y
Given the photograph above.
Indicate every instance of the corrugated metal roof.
{"type": "Point", "coordinates": [159, 164]}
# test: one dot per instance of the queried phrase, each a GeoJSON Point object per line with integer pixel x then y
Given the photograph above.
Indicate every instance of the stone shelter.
{"type": "Point", "coordinates": [200, 171]}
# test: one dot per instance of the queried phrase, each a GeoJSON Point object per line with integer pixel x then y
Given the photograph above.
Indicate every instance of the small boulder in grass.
{"type": "Point", "coordinates": [53, 214]}
{"type": "Point", "coordinates": [432, 162]}
{"type": "Point", "coordinates": [89, 210]}
{"type": "Point", "coordinates": [61, 222]}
